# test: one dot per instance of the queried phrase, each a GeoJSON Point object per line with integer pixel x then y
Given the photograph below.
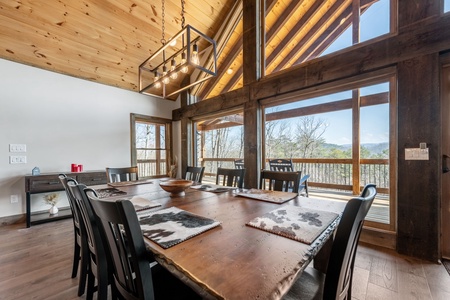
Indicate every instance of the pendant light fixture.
{"type": "Point", "coordinates": [164, 73]}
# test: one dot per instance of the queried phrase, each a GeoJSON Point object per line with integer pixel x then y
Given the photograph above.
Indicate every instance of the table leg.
{"type": "Point", "coordinates": [321, 259]}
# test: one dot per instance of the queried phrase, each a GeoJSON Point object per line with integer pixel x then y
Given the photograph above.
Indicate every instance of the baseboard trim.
{"type": "Point", "coordinates": [10, 220]}
{"type": "Point", "coordinates": [379, 237]}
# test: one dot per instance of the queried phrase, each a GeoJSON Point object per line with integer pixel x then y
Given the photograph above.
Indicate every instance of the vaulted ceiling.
{"type": "Point", "coordinates": [106, 41]}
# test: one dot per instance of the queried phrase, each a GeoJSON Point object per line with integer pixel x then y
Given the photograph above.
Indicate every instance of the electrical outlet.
{"type": "Point", "coordinates": [17, 159]}
{"type": "Point", "coordinates": [17, 148]}
{"type": "Point", "coordinates": [14, 199]}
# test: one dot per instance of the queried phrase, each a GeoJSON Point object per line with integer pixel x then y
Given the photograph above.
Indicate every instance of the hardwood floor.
{"type": "Point", "coordinates": [36, 263]}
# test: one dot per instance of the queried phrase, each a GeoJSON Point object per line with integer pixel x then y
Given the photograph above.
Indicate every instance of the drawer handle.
{"type": "Point", "coordinates": [97, 179]}
{"type": "Point", "coordinates": [53, 182]}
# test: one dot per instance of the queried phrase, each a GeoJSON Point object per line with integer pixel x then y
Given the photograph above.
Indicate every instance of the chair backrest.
{"type": "Point", "coordinates": [280, 181]}
{"type": "Point", "coordinates": [239, 164]}
{"type": "Point", "coordinates": [194, 173]}
{"type": "Point", "coordinates": [230, 177]}
{"type": "Point", "coordinates": [73, 207]}
{"type": "Point", "coordinates": [283, 165]}
{"type": "Point", "coordinates": [94, 231]}
{"type": "Point", "coordinates": [342, 257]}
{"type": "Point", "coordinates": [131, 269]}
{"type": "Point", "coordinates": [122, 174]}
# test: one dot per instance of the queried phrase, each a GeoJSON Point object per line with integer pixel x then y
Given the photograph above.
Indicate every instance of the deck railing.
{"type": "Point", "coordinates": [324, 172]}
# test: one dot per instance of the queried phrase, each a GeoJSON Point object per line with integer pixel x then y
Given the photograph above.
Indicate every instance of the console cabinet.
{"type": "Point", "coordinates": [49, 182]}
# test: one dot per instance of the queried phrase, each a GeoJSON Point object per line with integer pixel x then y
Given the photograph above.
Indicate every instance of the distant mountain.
{"type": "Point", "coordinates": [371, 147]}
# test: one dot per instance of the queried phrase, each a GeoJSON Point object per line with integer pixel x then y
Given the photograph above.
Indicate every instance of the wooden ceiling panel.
{"type": "Point", "coordinates": [106, 41]}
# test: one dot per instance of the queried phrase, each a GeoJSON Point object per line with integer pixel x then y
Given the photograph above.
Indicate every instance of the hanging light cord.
{"type": "Point", "coordinates": [163, 15]}
{"type": "Point", "coordinates": [182, 13]}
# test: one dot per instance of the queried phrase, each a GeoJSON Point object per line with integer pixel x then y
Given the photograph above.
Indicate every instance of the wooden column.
{"type": "Point", "coordinates": [418, 193]}
{"type": "Point", "coordinates": [356, 147]}
{"type": "Point", "coordinates": [253, 67]}
{"type": "Point", "coordinates": [418, 180]}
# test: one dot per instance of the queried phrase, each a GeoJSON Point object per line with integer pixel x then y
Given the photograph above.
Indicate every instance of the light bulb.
{"type": "Point", "coordinates": [174, 74]}
{"type": "Point", "coordinates": [185, 68]}
{"type": "Point", "coordinates": [156, 80]}
{"type": "Point", "coordinates": [166, 79]}
{"type": "Point", "coordinates": [194, 56]}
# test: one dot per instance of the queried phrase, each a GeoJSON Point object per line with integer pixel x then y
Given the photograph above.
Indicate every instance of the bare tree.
{"type": "Point", "coordinates": [309, 135]}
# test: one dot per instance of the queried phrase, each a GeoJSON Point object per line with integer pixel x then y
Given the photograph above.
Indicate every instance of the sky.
{"type": "Point", "coordinates": [446, 5]}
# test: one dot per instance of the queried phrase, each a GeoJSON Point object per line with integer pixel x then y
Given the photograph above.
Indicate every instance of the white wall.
{"type": "Point", "coordinates": [64, 120]}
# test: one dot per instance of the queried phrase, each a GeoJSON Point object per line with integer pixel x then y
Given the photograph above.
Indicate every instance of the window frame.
{"type": "Point", "coordinates": [136, 118]}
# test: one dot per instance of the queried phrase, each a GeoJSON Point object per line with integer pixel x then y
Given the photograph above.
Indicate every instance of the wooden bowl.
{"type": "Point", "coordinates": [176, 187]}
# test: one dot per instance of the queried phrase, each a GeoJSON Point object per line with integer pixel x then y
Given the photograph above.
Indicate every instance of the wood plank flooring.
{"type": "Point", "coordinates": [36, 263]}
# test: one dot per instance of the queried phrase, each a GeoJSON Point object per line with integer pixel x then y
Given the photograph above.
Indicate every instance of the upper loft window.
{"type": "Point", "coordinates": [304, 30]}
{"type": "Point", "coordinates": [446, 6]}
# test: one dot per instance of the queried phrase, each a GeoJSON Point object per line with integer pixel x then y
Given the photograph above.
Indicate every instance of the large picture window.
{"type": "Point", "coordinates": [151, 145]}
{"type": "Point", "coordinates": [342, 140]}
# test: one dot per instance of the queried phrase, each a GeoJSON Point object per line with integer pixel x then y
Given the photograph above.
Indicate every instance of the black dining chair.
{"type": "Point", "coordinates": [280, 181]}
{"type": "Point", "coordinates": [133, 276]}
{"type": "Point", "coordinates": [230, 177]}
{"type": "Point", "coordinates": [194, 173]}
{"type": "Point", "coordinates": [80, 252]}
{"type": "Point", "coordinates": [98, 257]}
{"type": "Point", "coordinates": [282, 165]}
{"type": "Point", "coordinates": [303, 185]}
{"type": "Point", "coordinates": [122, 174]}
{"type": "Point", "coordinates": [239, 163]}
{"type": "Point", "coordinates": [337, 282]}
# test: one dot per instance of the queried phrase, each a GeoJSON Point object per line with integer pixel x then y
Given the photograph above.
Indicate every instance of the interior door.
{"type": "Point", "coordinates": [445, 184]}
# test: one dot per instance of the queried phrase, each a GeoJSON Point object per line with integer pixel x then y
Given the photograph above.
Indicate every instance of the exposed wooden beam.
{"type": "Point", "coordinates": [375, 99]}
{"type": "Point", "coordinates": [300, 24]}
{"type": "Point", "coordinates": [423, 37]}
{"type": "Point", "coordinates": [295, 51]}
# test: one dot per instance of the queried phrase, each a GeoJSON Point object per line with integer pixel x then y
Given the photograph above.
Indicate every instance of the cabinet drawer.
{"type": "Point", "coordinates": [92, 178]}
{"type": "Point", "coordinates": [44, 184]}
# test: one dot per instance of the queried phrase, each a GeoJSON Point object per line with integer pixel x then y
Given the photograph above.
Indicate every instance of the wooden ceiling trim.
{"type": "Point", "coordinates": [282, 20]}
{"type": "Point", "coordinates": [223, 38]}
{"type": "Point", "coordinates": [325, 21]}
{"type": "Point", "coordinates": [283, 44]}
{"type": "Point", "coordinates": [221, 71]}
{"type": "Point", "coordinates": [237, 77]}
{"type": "Point", "coordinates": [332, 33]}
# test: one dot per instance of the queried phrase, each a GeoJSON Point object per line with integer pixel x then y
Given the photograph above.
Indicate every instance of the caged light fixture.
{"type": "Point", "coordinates": [165, 73]}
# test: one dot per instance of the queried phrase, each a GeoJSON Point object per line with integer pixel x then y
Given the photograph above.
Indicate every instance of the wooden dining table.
{"type": "Point", "coordinates": [234, 261]}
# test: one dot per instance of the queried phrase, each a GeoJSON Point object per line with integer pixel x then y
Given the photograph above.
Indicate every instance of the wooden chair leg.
{"type": "Point", "coordinates": [76, 259]}
{"type": "Point", "coordinates": [84, 272]}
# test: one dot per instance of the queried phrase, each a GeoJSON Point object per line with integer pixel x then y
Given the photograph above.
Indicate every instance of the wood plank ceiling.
{"type": "Point", "coordinates": [106, 41]}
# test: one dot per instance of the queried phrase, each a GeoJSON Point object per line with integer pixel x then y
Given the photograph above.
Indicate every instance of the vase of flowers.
{"type": "Point", "coordinates": [52, 199]}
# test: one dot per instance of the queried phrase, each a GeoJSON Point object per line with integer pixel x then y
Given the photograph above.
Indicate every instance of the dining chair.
{"type": "Point", "coordinates": [80, 252]}
{"type": "Point", "coordinates": [98, 257]}
{"type": "Point", "coordinates": [239, 163]}
{"type": "Point", "coordinates": [230, 177]}
{"type": "Point", "coordinates": [280, 181]}
{"type": "Point", "coordinates": [194, 173]}
{"type": "Point", "coordinates": [337, 282]}
{"type": "Point", "coordinates": [122, 174]}
{"type": "Point", "coordinates": [283, 165]}
{"type": "Point", "coordinates": [133, 275]}
{"type": "Point", "coordinates": [303, 185]}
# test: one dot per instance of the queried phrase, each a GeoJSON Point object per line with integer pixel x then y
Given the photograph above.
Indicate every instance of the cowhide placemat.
{"type": "Point", "coordinates": [170, 226]}
{"type": "Point", "coordinates": [109, 192]}
{"type": "Point", "coordinates": [294, 222]}
{"type": "Point", "coordinates": [267, 195]}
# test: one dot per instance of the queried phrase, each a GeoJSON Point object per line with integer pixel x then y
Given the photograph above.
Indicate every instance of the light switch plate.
{"type": "Point", "coordinates": [17, 148]}
{"type": "Point", "coordinates": [416, 154]}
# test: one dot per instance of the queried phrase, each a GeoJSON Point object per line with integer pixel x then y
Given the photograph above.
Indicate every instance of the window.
{"type": "Point", "coordinates": [219, 142]}
{"type": "Point", "coordinates": [341, 139]}
{"type": "Point", "coordinates": [298, 31]}
{"type": "Point", "coordinates": [446, 6]}
{"type": "Point", "coordinates": [151, 145]}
